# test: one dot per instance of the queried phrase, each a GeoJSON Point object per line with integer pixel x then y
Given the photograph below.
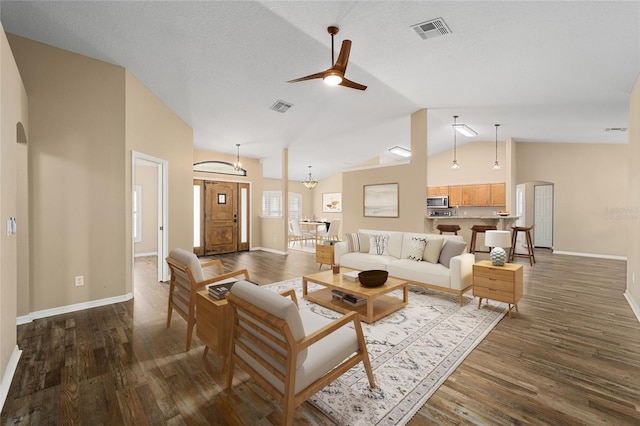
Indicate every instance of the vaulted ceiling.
{"type": "Point", "coordinates": [553, 71]}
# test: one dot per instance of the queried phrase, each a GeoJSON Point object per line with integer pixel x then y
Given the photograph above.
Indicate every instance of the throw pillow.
{"type": "Point", "coordinates": [353, 242]}
{"type": "Point", "coordinates": [451, 249]}
{"type": "Point", "coordinates": [364, 242]}
{"type": "Point", "coordinates": [379, 244]}
{"type": "Point", "coordinates": [416, 248]}
{"type": "Point", "coordinates": [432, 250]}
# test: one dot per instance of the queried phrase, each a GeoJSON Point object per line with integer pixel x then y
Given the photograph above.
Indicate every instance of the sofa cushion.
{"type": "Point", "coordinates": [395, 241]}
{"type": "Point", "coordinates": [353, 242]}
{"type": "Point", "coordinates": [433, 249]}
{"type": "Point", "coordinates": [365, 261]}
{"type": "Point", "coordinates": [416, 249]}
{"type": "Point", "coordinates": [364, 242]}
{"type": "Point", "coordinates": [451, 249]}
{"type": "Point", "coordinates": [379, 244]}
{"type": "Point", "coordinates": [421, 272]}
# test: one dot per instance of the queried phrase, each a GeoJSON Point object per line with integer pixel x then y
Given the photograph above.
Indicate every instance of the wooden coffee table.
{"type": "Point", "coordinates": [378, 303]}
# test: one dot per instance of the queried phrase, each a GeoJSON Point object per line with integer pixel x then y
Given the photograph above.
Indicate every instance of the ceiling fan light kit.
{"type": "Point", "coordinates": [334, 76]}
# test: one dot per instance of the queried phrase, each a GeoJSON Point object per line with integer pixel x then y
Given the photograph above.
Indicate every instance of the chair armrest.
{"type": "Point", "coordinates": [291, 293]}
{"type": "Point", "coordinates": [323, 332]}
{"type": "Point", "coordinates": [461, 268]}
{"type": "Point", "coordinates": [225, 276]}
{"type": "Point", "coordinates": [211, 263]}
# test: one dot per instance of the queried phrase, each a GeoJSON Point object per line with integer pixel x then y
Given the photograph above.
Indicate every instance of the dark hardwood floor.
{"type": "Point", "coordinates": [570, 356]}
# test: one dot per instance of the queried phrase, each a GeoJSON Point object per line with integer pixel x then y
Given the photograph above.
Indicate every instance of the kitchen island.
{"type": "Point", "coordinates": [466, 222]}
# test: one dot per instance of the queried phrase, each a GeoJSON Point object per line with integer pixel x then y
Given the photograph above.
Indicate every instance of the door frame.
{"type": "Point", "coordinates": [163, 211]}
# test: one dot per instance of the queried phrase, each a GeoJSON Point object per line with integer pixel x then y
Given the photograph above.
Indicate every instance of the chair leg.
{"type": "Point", "coordinates": [530, 249]}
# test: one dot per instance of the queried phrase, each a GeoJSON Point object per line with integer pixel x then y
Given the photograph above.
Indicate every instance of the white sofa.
{"type": "Point", "coordinates": [456, 278]}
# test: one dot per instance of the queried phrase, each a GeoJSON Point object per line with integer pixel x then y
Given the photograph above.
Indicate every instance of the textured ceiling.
{"type": "Point", "coordinates": [552, 71]}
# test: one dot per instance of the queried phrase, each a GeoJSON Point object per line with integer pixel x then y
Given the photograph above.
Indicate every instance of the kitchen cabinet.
{"type": "Point", "coordinates": [435, 191]}
{"type": "Point", "coordinates": [498, 194]}
{"type": "Point", "coordinates": [482, 195]}
{"type": "Point", "coordinates": [467, 195]}
{"type": "Point", "coordinates": [455, 195]}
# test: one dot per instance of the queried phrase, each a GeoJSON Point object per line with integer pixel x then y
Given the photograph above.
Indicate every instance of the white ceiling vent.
{"type": "Point", "coordinates": [431, 29]}
{"type": "Point", "coordinates": [281, 106]}
{"type": "Point", "coordinates": [615, 129]}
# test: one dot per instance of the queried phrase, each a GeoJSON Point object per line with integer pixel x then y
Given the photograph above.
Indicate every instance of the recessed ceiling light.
{"type": "Point", "coordinates": [400, 151]}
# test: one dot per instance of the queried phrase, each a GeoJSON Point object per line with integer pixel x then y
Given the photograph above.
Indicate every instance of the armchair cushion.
{"type": "Point", "coordinates": [191, 260]}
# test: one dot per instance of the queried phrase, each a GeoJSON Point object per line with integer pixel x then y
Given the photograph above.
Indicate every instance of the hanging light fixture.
{"type": "Point", "coordinates": [309, 182]}
{"type": "Point", "coordinates": [454, 165]}
{"type": "Point", "coordinates": [496, 165]}
{"type": "Point", "coordinates": [237, 165]}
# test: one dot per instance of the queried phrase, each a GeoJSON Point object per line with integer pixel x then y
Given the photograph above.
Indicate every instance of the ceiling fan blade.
{"type": "Point", "coordinates": [309, 77]}
{"type": "Point", "coordinates": [352, 84]}
{"type": "Point", "coordinates": [343, 57]}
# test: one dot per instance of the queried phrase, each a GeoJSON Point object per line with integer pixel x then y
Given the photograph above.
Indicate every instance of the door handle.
{"type": "Point", "coordinates": [235, 218]}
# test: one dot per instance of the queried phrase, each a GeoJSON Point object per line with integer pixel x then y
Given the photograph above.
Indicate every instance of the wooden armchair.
{"type": "Point", "coordinates": [187, 277]}
{"type": "Point", "coordinates": [292, 354]}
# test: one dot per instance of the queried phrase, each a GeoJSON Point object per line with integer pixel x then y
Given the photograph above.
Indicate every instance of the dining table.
{"type": "Point", "coordinates": [308, 225]}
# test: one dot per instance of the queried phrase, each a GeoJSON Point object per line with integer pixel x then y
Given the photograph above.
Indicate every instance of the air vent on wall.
{"type": "Point", "coordinates": [615, 129]}
{"type": "Point", "coordinates": [430, 29]}
{"type": "Point", "coordinates": [281, 106]}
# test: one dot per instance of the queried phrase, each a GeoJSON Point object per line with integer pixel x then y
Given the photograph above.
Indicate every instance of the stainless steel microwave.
{"type": "Point", "coordinates": [439, 202]}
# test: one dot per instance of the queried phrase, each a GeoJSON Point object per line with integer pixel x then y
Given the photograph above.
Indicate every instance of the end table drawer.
{"type": "Point", "coordinates": [487, 293]}
{"type": "Point", "coordinates": [495, 273]}
{"type": "Point", "coordinates": [492, 283]}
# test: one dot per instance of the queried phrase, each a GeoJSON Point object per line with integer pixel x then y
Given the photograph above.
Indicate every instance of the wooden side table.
{"type": "Point", "coordinates": [212, 325]}
{"type": "Point", "coordinates": [324, 255]}
{"type": "Point", "coordinates": [501, 283]}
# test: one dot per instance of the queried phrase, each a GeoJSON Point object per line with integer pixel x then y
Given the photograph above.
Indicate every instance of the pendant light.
{"type": "Point", "coordinates": [237, 165]}
{"type": "Point", "coordinates": [309, 182]}
{"type": "Point", "coordinates": [454, 165]}
{"type": "Point", "coordinates": [496, 165]}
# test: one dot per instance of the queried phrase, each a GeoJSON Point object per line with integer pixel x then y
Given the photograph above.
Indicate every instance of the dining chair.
{"type": "Point", "coordinates": [298, 234]}
{"type": "Point", "coordinates": [334, 231]}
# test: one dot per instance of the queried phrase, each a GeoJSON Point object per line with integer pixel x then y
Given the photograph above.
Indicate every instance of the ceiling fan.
{"type": "Point", "coordinates": [335, 75]}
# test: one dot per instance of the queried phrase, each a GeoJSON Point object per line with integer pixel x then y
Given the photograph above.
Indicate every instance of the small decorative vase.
{"type": "Point", "coordinates": [498, 256]}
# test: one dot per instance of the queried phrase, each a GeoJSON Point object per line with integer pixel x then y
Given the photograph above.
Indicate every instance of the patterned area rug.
{"type": "Point", "coordinates": [412, 352]}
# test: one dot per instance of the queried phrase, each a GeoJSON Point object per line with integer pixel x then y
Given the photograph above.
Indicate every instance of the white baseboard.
{"type": "Point", "coordinates": [151, 253]}
{"type": "Point", "coordinates": [72, 308]}
{"type": "Point", "coordinates": [634, 305]}
{"type": "Point", "coordinates": [601, 256]}
{"type": "Point", "coordinates": [268, 250]}
{"type": "Point", "coordinates": [8, 375]}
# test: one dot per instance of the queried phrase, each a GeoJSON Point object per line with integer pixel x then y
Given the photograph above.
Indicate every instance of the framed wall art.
{"type": "Point", "coordinates": [332, 202]}
{"type": "Point", "coordinates": [381, 200]}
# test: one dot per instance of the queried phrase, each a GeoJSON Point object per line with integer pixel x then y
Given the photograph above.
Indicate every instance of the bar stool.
{"type": "Point", "coordinates": [448, 228]}
{"type": "Point", "coordinates": [514, 238]}
{"type": "Point", "coordinates": [479, 229]}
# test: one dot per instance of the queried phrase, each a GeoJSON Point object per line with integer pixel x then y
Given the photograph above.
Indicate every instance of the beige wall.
{"type": "Point", "coordinates": [411, 179]}
{"type": "Point", "coordinates": [147, 180]}
{"type": "Point", "coordinates": [153, 129]}
{"type": "Point", "coordinates": [633, 197]}
{"type": "Point", "coordinates": [77, 175]}
{"type": "Point", "coordinates": [13, 109]}
{"type": "Point", "coordinates": [589, 180]}
{"type": "Point", "coordinates": [330, 184]}
{"type": "Point", "coordinates": [476, 165]}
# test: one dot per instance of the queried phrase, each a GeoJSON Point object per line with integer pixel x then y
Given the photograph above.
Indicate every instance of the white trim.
{"type": "Point", "coordinates": [632, 303]}
{"type": "Point", "coordinates": [72, 308]}
{"type": "Point", "coordinates": [151, 253]}
{"type": "Point", "coordinates": [268, 250]}
{"type": "Point", "coordinates": [8, 375]}
{"type": "Point", "coordinates": [601, 256]}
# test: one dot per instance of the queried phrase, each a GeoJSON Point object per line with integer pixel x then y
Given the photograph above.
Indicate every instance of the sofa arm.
{"type": "Point", "coordinates": [461, 268]}
{"type": "Point", "coordinates": [339, 249]}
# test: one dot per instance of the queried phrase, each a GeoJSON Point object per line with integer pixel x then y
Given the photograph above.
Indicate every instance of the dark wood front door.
{"type": "Point", "coordinates": [221, 217]}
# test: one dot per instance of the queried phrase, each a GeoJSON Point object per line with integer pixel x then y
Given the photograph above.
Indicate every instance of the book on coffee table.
{"type": "Point", "coordinates": [218, 291]}
{"type": "Point", "coordinates": [351, 276]}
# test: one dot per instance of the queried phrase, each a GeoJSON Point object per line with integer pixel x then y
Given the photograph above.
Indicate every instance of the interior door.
{"type": "Point", "coordinates": [221, 217]}
{"type": "Point", "coordinates": [543, 212]}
